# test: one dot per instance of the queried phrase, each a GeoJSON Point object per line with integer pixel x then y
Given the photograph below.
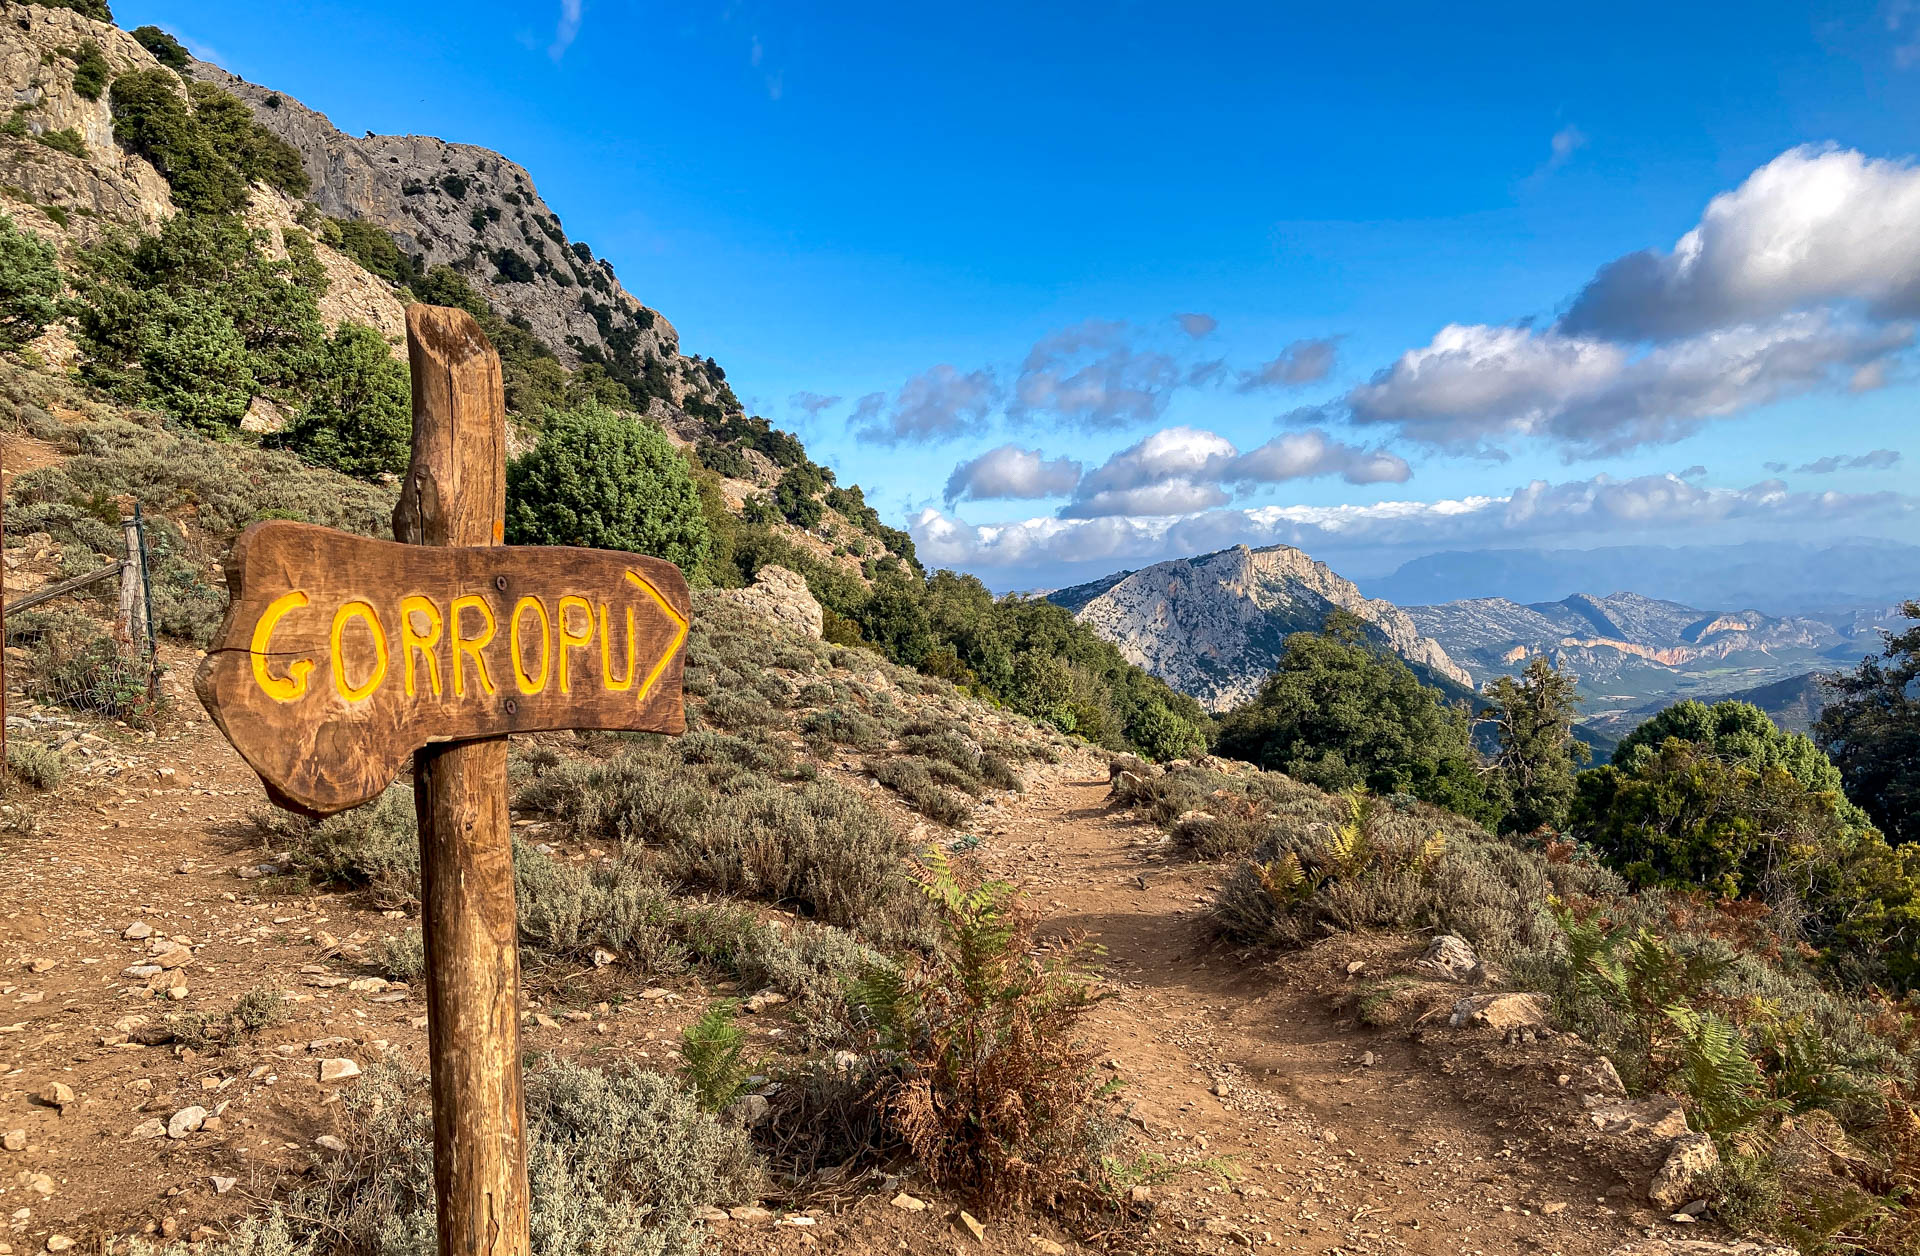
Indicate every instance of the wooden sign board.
{"type": "Point", "coordinates": [341, 655]}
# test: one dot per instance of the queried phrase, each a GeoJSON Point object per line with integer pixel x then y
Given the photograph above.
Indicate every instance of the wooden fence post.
{"type": "Point", "coordinates": [455, 494]}
{"type": "Point", "coordinates": [130, 575]}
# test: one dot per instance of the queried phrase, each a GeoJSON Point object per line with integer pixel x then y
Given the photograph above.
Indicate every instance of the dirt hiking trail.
{"type": "Point", "coordinates": [1262, 1122]}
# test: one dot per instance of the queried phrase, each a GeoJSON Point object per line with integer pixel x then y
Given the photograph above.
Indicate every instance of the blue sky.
{"type": "Point", "coordinates": [978, 227]}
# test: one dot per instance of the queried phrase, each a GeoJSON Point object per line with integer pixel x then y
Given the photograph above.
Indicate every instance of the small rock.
{"type": "Point", "coordinates": [749, 1212]}
{"type": "Point", "coordinates": [764, 1000]}
{"type": "Point", "coordinates": [137, 931]}
{"type": "Point", "coordinates": [653, 994]}
{"type": "Point", "coordinates": [1222, 1088]}
{"type": "Point", "coordinates": [603, 957]}
{"type": "Point", "coordinates": [1047, 1247]}
{"type": "Point", "coordinates": [58, 1095]}
{"type": "Point", "coordinates": [1549, 1209]}
{"type": "Point", "coordinates": [330, 1142]}
{"type": "Point", "coordinates": [1452, 958]}
{"type": "Point", "coordinates": [1141, 1194]}
{"type": "Point", "coordinates": [544, 1021]}
{"type": "Point", "coordinates": [1366, 1059]}
{"type": "Point", "coordinates": [41, 965]}
{"type": "Point", "coordinates": [973, 1225]}
{"type": "Point", "coordinates": [1501, 1011]}
{"type": "Point", "coordinates": [175, 958]}
{"type": "Point", "coordinates": [909, 1203]}
{"type": "Point", "coordinates": [14, 1140]}
{"type": "Point", "coordinates": [58, 1243]}
{"type": "Point", "coordinates": [1691, 1155]}
{"type": "Point", "coordinates": [709, 1213]}
{"type": "Point", "coordinates": [40, 1184]}
{"type": "Point", "coordinates": [338, 1070]}
{"type": "Point", "coordinates": [152, 1127]}
{"type": "Point", "coordinates": [186, 1121]}
{"type": "Point", "coordinates": [749, 1110]}
{"type": "Point", "coordinates": [221, 1185]}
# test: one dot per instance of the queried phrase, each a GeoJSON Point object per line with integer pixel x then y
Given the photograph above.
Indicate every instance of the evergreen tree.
{"type": "Point", "coordinates": [1871, 731]}
{"type": "Point", "coordinates": [29, 284]}
{"type": "Point", "coordinates": [606, 480]}
{"type": "Point", "coordinates": [1533, 718]}
{"type": "Point", "coordinates": [1339, 713]}
{"type": "Point", "coordinates": [358, 416]}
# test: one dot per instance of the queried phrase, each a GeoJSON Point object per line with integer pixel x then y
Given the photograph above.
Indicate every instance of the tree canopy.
{"type": "Point", "coordinates": [1871, 731]}
{"type": "Point", "coordinates": [1338, 713]}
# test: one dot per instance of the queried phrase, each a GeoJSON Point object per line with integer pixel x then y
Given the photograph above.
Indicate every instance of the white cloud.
{"type": "Point", "coordinates": [1012, 473]}
{"type": "Point", "coordinates": [1090, 376]}
{"type": "Point", "coordinates": [568, 29]}
{"type": "Point", "coordinates": [1302, 362]}
{"type": "Point", "coordinates": [1812, 227]}
{"type": "Point", "coordinates": [1475, 385]}
{"type": "Point", "coordinates": [937, 404]}
{"type": "Point", "coordinates": [1601, 507]}
{"type": "Point", "coordinates": [1180, 470]}
{"type": "Point", "coordinates": [1567, 141]}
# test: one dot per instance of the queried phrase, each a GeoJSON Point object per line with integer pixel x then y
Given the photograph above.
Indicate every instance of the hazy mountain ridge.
{"type": "Point", "coordinates": [1212, 626]}
{"type": "Point", "coordinates": [1634, 654]}
{"type": "Point", "coordinates": [1784, 578]}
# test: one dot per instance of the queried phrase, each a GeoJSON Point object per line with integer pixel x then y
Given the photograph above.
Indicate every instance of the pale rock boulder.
{"type": "Point", "coordinates": [1691, 1155]}
{"type": "Point", "coordinates": [781, 596]}
{"type": "Point", "coordinates": [1501, 1011]}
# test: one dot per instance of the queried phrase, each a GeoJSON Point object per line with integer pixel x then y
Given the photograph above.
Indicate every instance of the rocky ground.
{"type": "Point", "coordinates": [1262, 1116]}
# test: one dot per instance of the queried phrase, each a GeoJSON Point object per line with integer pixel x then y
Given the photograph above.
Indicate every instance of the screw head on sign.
{"type": "Point", "coordinates": [500, 583]}
{"type": "Point", "coordinates": [513, 708]}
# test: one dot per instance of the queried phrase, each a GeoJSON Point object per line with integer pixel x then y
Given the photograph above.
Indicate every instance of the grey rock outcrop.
{"type": "Point", "coordinates": [102, 189]}
{"type": "Point", "coordinates": [1213, 626]}
{"type": "Point", "coordinates": [781, 596]}
{"type": "Point", "coordinates": [470, 208]}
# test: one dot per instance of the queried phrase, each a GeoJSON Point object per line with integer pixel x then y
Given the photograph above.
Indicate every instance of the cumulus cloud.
{"type": "Point", "coordinates": [567, 30]}
{"type": "Point", "coordinates": [1814, 226]}
{"type": "Point", "coordinates": [935, 405]}
{"type": "Point", "coordinates": [1474, 385]}
{"type": "Point", "coordinates": [1302, 362]}
{"type": "Point", "coordinates": [1874, 460]}
{"type": "Point", "coordinates": [1092, 376]}
{"type": "Point", "coordinates": [1180, 470]}
{"type": "Point", "coordinates": [1199, 326]}
{"type": "Point", "coordinates": [1012, 473]}
{"type": "Point", "coordinates": [1654, 505]}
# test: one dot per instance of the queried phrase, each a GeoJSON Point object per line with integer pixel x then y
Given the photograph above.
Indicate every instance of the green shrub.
{"type": "Point", "coordinates": [376, 846]}
{"type": "Point", "coordinates": [713, 1052]}
{"type": "Point", "coordinates": [607, 481]}
{"type": "Point", "coordinates": [66, 141]}
{"type": "Point", "coordinates": [617, 1162]}
{"type": "Point", "coordinates": [90, 70]}
{"type": "Point", "coordinates": [992, 1085]}
{"type": "Point", "coordinates": [196, 363]}
{"type": "Point", "coordinates": [30, 284]}
{"type": "Point", "coordinates": [358, 418]}
{"type": "Point", "coordinates": [36, 764]}
{"type": "Point", "coordinates": [72, 661]}
{"type": "Point", "coordinates": [1339, 712]}
{"type": "Point", "coordinates": [151, 118]}
{"type": "Point", "coordinates": [912, 777]}
{"type": "Point", "coordinates": [164, 47]}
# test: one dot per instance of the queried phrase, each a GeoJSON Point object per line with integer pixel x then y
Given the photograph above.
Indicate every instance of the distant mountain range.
{"type": "Point", "coordinates": [1212, 626]}
{"type": "Point", "coordinates": [1634, 654]}
{"type": "Point", "coordinates": [1783, 579]}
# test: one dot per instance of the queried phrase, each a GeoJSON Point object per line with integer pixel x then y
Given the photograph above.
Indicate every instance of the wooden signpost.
{"type": "Point", "coordinates": [341, 655]}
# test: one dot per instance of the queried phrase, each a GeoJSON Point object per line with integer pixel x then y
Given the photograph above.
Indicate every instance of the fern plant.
{"type": "Point", "coordinates": [713, 1058]}
{"type": "Point", "coordinates": [1717, 1072]}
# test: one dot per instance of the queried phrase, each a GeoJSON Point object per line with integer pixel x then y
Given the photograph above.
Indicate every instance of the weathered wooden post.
{"type": "Point", "coordinates": [132, 573]}
{"type": "Point", "coordinates": [341, 655]}
{"type": "Point", "coordinates": [456, 494]}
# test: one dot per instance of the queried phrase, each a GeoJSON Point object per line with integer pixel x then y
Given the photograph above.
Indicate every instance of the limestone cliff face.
{"type": "Point", "coordinates": [52, 192]}
{"type": "Point", "coordinates": [1212, 626]}
{"type": "Point", "coordinates": [472, 209]}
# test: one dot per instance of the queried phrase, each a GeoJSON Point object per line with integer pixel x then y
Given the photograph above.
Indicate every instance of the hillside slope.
{"type": "Point", "coordinates": [1634, 654]}
{"type": "Point", "coordinates": [1212, 626]}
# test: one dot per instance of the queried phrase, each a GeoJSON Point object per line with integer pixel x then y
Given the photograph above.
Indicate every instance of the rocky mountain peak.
{"type": "Point", "coordinates": [473, 210]}
{"type": "Point", "coordinates": [1214, 625]}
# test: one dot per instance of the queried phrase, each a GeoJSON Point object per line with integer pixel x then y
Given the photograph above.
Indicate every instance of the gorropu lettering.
{"type": "Point", "coordinates": [447, 647]}
{"type": "Point", "coordinates": [342, 655]}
